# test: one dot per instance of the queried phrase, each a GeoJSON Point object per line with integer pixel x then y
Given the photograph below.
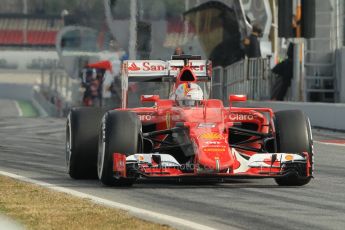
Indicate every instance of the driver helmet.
{"type": "Point", "coordinates": [189, 94]}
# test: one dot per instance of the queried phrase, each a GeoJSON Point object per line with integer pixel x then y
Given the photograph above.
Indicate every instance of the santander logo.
{"type": "Point", "coordinates": [159, 66]}
{"type": "Point", "coordinates": [133, 67]}
{"type": "Point", "coordinates": [147, 66]}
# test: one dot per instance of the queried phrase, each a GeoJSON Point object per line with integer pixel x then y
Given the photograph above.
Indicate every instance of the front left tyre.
{"type": "Point", "coordinates": [120, 133]}
{"type": "Point", "coordinates": [82, 128]}
{"type": "Point", "coordinates": [293, 135]}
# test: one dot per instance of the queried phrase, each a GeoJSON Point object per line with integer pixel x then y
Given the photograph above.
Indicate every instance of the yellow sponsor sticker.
{"type": "Point", "coordinates": [214, 149]}
{"type": "Point", "coordinates": [211, 136]}
{"type": "Point", "coordinates": [289, 157]}
{"type": "Point", "coordinates": [141, 158]}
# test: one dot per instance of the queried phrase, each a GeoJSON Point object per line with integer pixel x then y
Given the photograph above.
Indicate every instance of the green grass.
{"type": "Point", "coordinates": [39, 208]}
{"type": "Point", "coordinates": [27, 109]}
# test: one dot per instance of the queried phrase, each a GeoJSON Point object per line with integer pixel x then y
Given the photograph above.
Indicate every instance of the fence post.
{"type": "Point", "coordinates": [67, 87]}
{"type": "Point", "coordinates": [42, 78]}
{"type": "Point", "coordinates": [60, 83]}
{"type": "Point", "coordinates": [222, 84]}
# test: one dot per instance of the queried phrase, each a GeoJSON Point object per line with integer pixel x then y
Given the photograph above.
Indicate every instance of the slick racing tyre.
{"type": "Point", "coordinates": [82, 129]}
{"type": "Point", "coordinates": [293, 135]}
{"type": "Point", "coordinates": [120, 133]}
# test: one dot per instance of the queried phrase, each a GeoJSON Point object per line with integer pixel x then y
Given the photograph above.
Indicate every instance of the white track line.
{"type": "Point", "coordinates": [327, 143]}
{"type": "Point", "coordinates": [9, 224]}
{"type": "Point", "coordinates": [136, 211]}
{"type": "Point", "coordinates": [20, 112]}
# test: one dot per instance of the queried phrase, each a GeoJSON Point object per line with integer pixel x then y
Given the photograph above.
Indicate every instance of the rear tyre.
{"type": "Point", "coordinates": [293, 135]}
{"type": "Point", "coordinates": [120, 133]}
{"type": "Point", "coordinates": [82, 142]}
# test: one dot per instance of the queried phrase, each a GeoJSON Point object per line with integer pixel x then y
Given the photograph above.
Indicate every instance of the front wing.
{"type": "Point", "coordinates": [261, 165]}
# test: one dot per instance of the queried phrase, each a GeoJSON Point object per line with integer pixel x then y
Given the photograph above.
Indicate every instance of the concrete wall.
{"type": "Point", "coordinates": [16, 91]}
{"type": "Point", "coordinates": [26, 92]}
{"type": "Point", "coordinates": [27, 60]}
{"type": "Point", "coordinates": [324, 115]}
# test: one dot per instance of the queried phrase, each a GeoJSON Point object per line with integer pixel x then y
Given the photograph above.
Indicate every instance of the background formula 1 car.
{"type": "Point", "coordinates": [168, 140]}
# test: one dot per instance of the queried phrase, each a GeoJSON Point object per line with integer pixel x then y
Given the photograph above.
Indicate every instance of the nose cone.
{"type": "Point", "coordinates": [214, 152]}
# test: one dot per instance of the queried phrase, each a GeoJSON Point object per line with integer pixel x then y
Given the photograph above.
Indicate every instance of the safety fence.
{"type": "Point", "coordinates": [249, 76]}
{"type": "Point", "coordinates": [57, 91]}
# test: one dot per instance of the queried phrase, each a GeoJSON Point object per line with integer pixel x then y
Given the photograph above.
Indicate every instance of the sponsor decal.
{"type": "Point", "coordinates": [190, 64]}
{"type": "Point", "coordinates": [213, 142]}
{"type": "Point", "coordinates": [289, 157]}
{"type": "Point", "coordinates": [197, 68]}
{"type": "Point", "coordinates": [214, 149]}
{"type": "Point", "coordinates": [241, 117]}
{"type": "Point", "coordinates": [133, 67]}
{"type": "Point", "coordinates": [141, 158]}
{"type": "Point", "coordinates": [119, 163]}
{"type": "Point", "coordinates": [148, 67]}
{"type": "Point", "coordinates": [145, 117]}
{"type": "Point", "coordinates": [206, 125]}
{"type": "Point", "coordinates": [211, 136]}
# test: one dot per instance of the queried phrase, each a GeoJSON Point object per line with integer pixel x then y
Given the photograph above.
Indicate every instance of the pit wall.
{"type": "Point", "coordinates": [323, 115]}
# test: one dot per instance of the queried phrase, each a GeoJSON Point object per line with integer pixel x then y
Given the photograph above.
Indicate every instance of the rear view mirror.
{"type": "Point", "coordinates": [237, 98]}
{"type": "Point", "coordinates": [149, 98]}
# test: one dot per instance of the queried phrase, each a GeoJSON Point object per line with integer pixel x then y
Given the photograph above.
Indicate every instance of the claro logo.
{"type": "Point", "coordinates": [241, 117]}
{"type": "Point", "coordinates": [144, 117]}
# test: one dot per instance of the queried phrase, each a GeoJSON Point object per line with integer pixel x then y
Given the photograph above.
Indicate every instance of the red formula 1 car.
{"type": "Point", "coordinates": [186, 134]}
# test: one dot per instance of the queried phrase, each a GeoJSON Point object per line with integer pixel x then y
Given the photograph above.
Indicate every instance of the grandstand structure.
{"type": "Point", "coordinates": [29, 30]}
{"type": "Point", "coordinates": [178, 33]}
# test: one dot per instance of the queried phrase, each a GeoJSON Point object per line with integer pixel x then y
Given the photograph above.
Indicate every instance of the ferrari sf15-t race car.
{"type": "Point", "coordinates": [186, 134]}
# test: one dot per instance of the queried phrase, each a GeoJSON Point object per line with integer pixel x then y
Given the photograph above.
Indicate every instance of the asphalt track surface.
{"type": "Point", "coordinates": [8, 108]}
{"type": "Point", "coordinates": [34, 147]}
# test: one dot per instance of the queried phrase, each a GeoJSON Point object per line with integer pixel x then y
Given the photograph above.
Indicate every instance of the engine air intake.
{"type": "Point", "coordinates": [187, 75]}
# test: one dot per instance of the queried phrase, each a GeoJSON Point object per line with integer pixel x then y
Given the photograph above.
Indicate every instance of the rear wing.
{"type": "Point", "coordinates": [157, 70]}
{"type": "Point", "coordinates": [162, 71]}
